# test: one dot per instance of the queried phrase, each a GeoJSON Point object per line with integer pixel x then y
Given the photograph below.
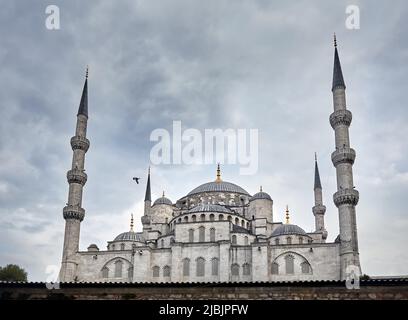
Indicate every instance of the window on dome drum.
{"type": "Point", "coordinates": [194, 218]}
{"type": "Point", "coordinates": [234, 239]}
{"type": "Point", "coordinates": [289, 240]}
{"type": "Point", "coordinates": [185, 219]}
{"type": "Point", "coordinates": [202, 217]}
{"type": "Point", "coordinates": [118, 269]}
{"type": "Point", "coordinates": [200, 267]}
{"type": "Point", "coordinates": [191, 235]}
{"type": "Point", "coordinates": [236, 221]}
{"type": "Point", "coordinates": [235, 269]}
{"type": "Point", "coordinates": [230, 218]}
{"type": "Point", "coordinates": [186, 267]}
{"type": "Point", "coordinates": [122, 246]}
{"type": "Point", "coordinates": [105, 272]}
{"type": "Point", "coordinates": [179, 220]}
{"type": "Point", "coordinates": [221, 217]}
{"type": "Point", "coordinates": [214, 266]}
{"type": "Point", "coordinates": [300, 240]}
{"type": "Point", "coordinates": [275, 268]}
{"type": "Point", "coordinates": [277, 241]}
{"type": "Point", "coordinates": [166, 271]}
{"type": "Point", "coordinates": [289, 264]}
{"type": "Point", "coordinates": [246, 240]}
{"type": "Point", "coordinates": [212, 234]}
{"type": "Point", "coordinates": [162, 243]}
{"type": "Point", "coordinates": [156, 272]}
{"type": "Point", "coordinates": [201, 234]}
{"type": "Point", "coordinates": [246, 269]}
{"type": "Point", "coordinates": [242, 223]}
{"type": "Point", "coordinates": [305, 267]}
{"type": "Point", "coordinates": [211, 217]}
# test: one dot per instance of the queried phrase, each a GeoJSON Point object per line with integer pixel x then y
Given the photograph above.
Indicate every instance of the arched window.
{"type": "Point", "coordinates": [275, 268]}
{"type": "Point", "coordinates": [122, 246]}
{"type": "Point", "coordinates": [300, 240]}
{"type": "Point", "coordinates": [211, 217]}
{"type": "Point", "coordinates": [221, 217]}
{"type": "Point", "coordinates": [113, 246]}
{"type": "Point", "coordinates": [235, 269]}
{"type": "Point", "coordinates": [214, 266]}
{"type": "Point", "coordinates": [247, 225]}
{"type": "Point", "coordinates": [191, 235]}
{"type": "Point", "coordinates": [236, 221]}
{"type": "Point", "coordinates": [234, 239]}
{"type": "Point", "coordinates": [156, 271]}
{"type": "Point", "coordinates": [201, 234]}
{"type": "Point", "coordinates": [166, 271]}
{"type": "Point", "coordinates": [289, 264]}
{"type": "Point", "coordinates": [212, 234]}
{"type": "Point", "coordinates": [194, 218]}
{"type": "Point", "coordinates": [200, 267]}
{"type": "Point", "coordinates": [179, 220]}
{"type": "Point", "coordinates": [230, 218]}
{"type": "Point", "coordinates": [186, 267]}
{"type": "Point", "coordinates": [246, 240]}
{"type": "Point", "coordinates": [242, 223]}
{"type": "Point", "coordinates": [118, 268]}
{"type": "Point", "coordinates": [162, 243]}
{"type": "Point", "coordinates": [202, 217]}
{"type": "Point", "coordinates": [305, 267]}
{"type": "Point", "coordinates": [289, 240]}
{"type": "Point", "coordinates": [185, 219]}
{"type": "Point", "coordinates": [246, 269]}
{"type": "Point", "coordinates": [105, 272]}
{"type": "Point", "coordinates": [277, 241]}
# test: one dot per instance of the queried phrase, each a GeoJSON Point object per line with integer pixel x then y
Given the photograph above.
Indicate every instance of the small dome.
{"type": "Point", "coordinates": [286, 229]}
{"type": "Point", "coordinates": [163, 200]}
{"type": "Point", "coordinates": [210, 208]}
{"type": "Point", "coordinates": [260, 195]}
{"type": "Point", "coordinates": [130, 236]}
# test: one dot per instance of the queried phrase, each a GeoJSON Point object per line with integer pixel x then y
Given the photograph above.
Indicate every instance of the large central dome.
{"type": "Point", "coordinates": [218, 186]}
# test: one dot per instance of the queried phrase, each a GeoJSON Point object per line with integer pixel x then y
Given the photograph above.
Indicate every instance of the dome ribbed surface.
{"type": "Point", "coordinates": [222, 186]}
{"type": "Point", "coordinates": [286, 229]}
{"type": "Point", "coordinates": [209, 208]}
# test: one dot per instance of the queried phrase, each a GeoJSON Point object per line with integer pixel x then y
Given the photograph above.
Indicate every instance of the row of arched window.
{"type": "Point", "coordinates": [237, 221]}
{"type": "Point", "coordinates": [121, 246]}
{"type": "Point", "coordinates": [290, 266]}
{"type": "Point", "coordinates": [200, 267]}
{"type": "Point", "coordinates": [118, 270]}
{"type": "Point", "coordinates": [246, 269]}
{"type": "Point", "coordinates": [234, 240]}
{"type": "Point", "coordinates": [166, 271]}
{"type": "Point", "coordinates": [201, 235]}
{"type": "Point", "coordinates": [289, 240]}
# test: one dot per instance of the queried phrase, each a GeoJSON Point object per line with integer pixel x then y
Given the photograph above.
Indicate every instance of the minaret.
{"type": "Point", "coordinates": [148, 196]}
{"type": "Point", "coordinates": [319, 209]}
{"type": "Point", "coordinates": [73, 212]}
{"type": "Point", "coordinates": [346, 197]}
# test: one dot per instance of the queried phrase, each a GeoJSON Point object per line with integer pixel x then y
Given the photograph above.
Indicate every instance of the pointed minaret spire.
{"type": "Point", "coordinates": [148, 195]}
{"type": "Point", "coordinates": [338, 80]}
{"type": "Point", "coordinates": [83, 105]}
{"type": "Point", "coordinates": [317, 183]}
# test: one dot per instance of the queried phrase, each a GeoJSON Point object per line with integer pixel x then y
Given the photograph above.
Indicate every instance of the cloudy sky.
{"type": "Point", "coordinates": [263, 65]}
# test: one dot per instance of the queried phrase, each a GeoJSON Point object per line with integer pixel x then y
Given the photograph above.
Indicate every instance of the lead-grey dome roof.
{"type": "Point", "coordinates": [210, 208]}
{"type": "Point", "coordinates": [163, 200]}
{"type": "Point", "coordinates": [286, 229]}
{"type": "Point", "coordinates": [218, 186]}
{"type": "Point", "coordinates": [131, 236]}
{"type": "Point", "coordinates": [260, 195]}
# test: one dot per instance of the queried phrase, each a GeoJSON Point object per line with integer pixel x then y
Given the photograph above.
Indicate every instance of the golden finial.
{"type": "Point", "coordinates": [335, 40]}
{"type": "Point", "coordinates": [131, 223]}
{"type": "Point", "coordinates": [287, 214]}
{"type": "Point", "coordinates": [218, 174]}
{"type": "Point", "coordinates": [260, 189]}
{"type": "Point", "coordinates": [87, 72]}
{"type": "Point", "coordinates": [163, 194]}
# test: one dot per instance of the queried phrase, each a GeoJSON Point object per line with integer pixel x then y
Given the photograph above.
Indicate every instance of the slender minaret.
{"type": "Point", "coordinates": [319, 209]}
{"type": "Point", "coordinates": [73, 212]}
{"type": "Point", "coordinates": [148, 196]}
{"type": "Point", "coordinates": [346, 197]}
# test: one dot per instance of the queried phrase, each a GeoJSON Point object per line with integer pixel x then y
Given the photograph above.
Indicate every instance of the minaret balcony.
{"type": "Point", "coordinates": [343, 155]}
{"type": "Point", "coordinates": [73, 212]}
{"type": "Point", "coordinates": [346, 196]}
{"type": "Point", "coordinates": [77, 176]}
{"type": "Point", "coordinates": [81, 143]}
{"type": "Point", "coordinates": [319, 209]}
{"type": "Point", "coordinates": [340, 117]}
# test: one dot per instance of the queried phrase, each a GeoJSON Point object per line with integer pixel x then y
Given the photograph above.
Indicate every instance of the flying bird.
{"type": "Point", "coordinates": [136, 179]}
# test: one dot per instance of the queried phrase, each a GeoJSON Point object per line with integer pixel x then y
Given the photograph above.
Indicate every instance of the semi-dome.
{"type": "Point", "coordinates": [218, 186]}
{"type": "Point", "coordinates": [260, 195]}
{"type": "Point", "coordinates": [287, 229]}
{"type": "Point", "coordinates": [163, 200]}
{"type": "Point", "coordinates": [130, 236]}
{"type": "Point", "coordinates": [209, 208]}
